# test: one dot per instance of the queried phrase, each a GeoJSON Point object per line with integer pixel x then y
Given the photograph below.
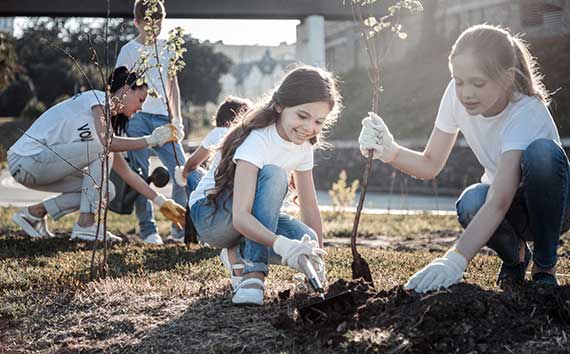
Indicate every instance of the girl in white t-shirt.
{"type": "Point", "coordinates": [237, 205]}
{"type": "Point", "coordinates": [498, 102]}
{"type": "Point", "coordinates": [62, 152]}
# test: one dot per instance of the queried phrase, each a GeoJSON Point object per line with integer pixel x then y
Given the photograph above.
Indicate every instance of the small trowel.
{"type": "Point", "coordinates": [322, 307]}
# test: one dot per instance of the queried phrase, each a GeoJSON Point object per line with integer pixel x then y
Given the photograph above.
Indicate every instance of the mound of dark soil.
{"type": "Point", "coordinates": [463, 319]}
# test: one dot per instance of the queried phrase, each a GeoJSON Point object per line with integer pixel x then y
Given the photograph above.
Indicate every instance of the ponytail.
{"type": "Point", "coordinates": [528, 78]}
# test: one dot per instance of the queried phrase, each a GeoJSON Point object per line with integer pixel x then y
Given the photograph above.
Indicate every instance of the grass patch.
{"type": "Point", "coordinates": [177, 298]}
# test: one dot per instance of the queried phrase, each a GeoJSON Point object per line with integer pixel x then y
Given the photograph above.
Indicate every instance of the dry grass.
{"type": "Point", "coordinates": [174, 299]}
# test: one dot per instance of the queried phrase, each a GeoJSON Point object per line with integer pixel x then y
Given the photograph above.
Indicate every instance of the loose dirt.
{"type": "Point", "coordinates": [462, 319]}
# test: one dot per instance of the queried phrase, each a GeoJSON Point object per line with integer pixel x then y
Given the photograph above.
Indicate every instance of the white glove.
{"type": "Point", "coordinates": [440, 273]}
{"type": "Point", "coordinates": [162, 135]}
{"type": "Point", "coordinates": [178, 176]}
{"type": "Point", "coordinates": [376, 136]}
{"type": "Point", "coordinates": [290, 250]}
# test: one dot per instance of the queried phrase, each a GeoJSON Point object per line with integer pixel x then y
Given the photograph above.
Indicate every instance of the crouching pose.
{"type": "Point", "coordinates": [62, 152]}
{"type": "Point", "coordinates": [237, 204]}
{"type": "Point", "coordinates": [497, 101]}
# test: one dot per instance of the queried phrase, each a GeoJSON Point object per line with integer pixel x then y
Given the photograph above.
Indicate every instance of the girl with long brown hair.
{"type": "Point", "coordinates": [237, 205]}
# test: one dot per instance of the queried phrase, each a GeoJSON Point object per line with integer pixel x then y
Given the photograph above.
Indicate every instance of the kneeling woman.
{"type": "Point", "coordinates": [62, 152]}
{"type": "Point", "coordinates": [237, 205]}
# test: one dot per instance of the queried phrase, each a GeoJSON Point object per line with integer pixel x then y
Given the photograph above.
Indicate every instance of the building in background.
{"type": "Point", "coordinates": [446, 19]}
{"type": "Point", "coordinates": [256, 69]}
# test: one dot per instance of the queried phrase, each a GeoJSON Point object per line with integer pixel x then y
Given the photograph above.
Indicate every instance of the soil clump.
{"type": "Point", "coordinates": [462, 319]}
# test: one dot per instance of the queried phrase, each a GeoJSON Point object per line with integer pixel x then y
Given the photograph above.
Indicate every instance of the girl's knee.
{"type": "Point", "coordinates": [470, 202]}
{"type": "Point", "coordinates": [112, 191]}
{"type": "Point", "coordinates": [275, 175]}
{"type": "Point", "coordinates": [541, 158]}
{"type": "Point", "coordinates": [312, 234]}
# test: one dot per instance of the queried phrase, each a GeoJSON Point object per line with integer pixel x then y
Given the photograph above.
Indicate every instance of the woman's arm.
{"type": "Point", "coordinates": [131, 178]}
{"type": "Point", "coordinates": [245, 185]}
{"type": "Point", "coordinates": [429, 163]}
{"type": "Point", "coordinates": [499, 198]}
{"type": "Point", "coordinates": [310, 213]}
{"type": "Point", "coordinates": [117, 143]}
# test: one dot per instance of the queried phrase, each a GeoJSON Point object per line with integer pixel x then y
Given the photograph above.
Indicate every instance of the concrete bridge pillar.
{"type": "Point", "coordinates": [310, 47]}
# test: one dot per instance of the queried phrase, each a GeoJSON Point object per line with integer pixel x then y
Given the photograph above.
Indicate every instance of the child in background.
{"type": "Point", "coordinates": [227, 112]}
{"type": "Point", "coordinates": [154, 114]}
{"type": "Point", "coordinates": [61, 152]}
{"type": "Point", "coordinates": [498, 102]}
{"type": "Point", "coordinates": [237, 205]}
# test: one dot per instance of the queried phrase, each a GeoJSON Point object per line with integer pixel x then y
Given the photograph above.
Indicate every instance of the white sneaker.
{"type": "Point", "coordinates": [89, 233]}
{"type": "Point", "coordinates": [249, 296]}
{"type": "Point", "coordinates": [153, 239]}
{"type": "Point", "coordinates": [32, 225]}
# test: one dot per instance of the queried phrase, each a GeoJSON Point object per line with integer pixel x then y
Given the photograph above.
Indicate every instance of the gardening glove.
{"type": "Point", "coordinates": [290, 250]}
{"type": "Point", "coordinates": [171, 210]}
{"type": "Point", "coordinates": [440, 273]}
{"type": "Point", "coordinates": [162, 135]}
{"type": "Point", "coordinates": [376, 136]}
{"type": "Point", "coordinates": [179, 176]}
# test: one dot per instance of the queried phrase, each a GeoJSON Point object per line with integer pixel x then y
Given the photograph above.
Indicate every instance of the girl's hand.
{"type": "Point", "coordinates": [180, 176]}
{"type": "Point", "coordinates": [290, 250]}
{"type": "Point", "coordinates": [171, 210]}
{"type": "Point", "coordinates": [376, 136]}
{"type": "Point", "coordinates": [440, 273]}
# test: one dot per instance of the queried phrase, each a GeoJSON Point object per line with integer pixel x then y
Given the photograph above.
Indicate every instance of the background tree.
{"type": "Point", "coordinates": [8, 61]}
{"type": "Point", "coordinates": [200, 81]}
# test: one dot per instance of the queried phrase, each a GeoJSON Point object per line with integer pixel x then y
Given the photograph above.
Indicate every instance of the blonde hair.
{"type": "Point", "coordinates": [303, 84]}
{"type": "Point", "coordinates": [496, 51]}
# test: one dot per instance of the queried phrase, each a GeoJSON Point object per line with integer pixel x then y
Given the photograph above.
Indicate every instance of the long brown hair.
{"type": "Point", "coordinates": [497, 51]}
{"type": "Point", "coordinates": [304, 84]}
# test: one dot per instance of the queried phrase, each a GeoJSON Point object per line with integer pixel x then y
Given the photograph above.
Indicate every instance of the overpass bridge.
{"type": "Point", "coordinates": [310, 34]}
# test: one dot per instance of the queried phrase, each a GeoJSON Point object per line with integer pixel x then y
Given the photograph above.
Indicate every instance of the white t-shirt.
{"type": "Point", "coordinates": [67, 122]}
{"type": "Point", "coordinates": [214, 137]}
{"type": "Point", "coordinates": [262, 147]}
{"type": "Point", "coordinates": [129, 57]}
{"type": "Point", "coordinates": [519, 124]}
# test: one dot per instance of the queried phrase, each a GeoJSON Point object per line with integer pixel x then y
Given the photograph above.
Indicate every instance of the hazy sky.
{"type": "Point", "coordinates": [262, 32]}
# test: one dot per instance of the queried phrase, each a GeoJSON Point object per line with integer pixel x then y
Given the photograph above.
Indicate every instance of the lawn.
{"type": "Point", "coordinates": [176, 299]}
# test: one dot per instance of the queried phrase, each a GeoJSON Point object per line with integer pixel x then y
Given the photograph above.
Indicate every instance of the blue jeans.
{"type": "Point", "coordinates": [216, 229]}
{"type": "Point", "coordinates": [143, 124]}
{"type": "Point", "coordinates": [192, 180]}
{"type": "Point", "coordinates": [540, 210]}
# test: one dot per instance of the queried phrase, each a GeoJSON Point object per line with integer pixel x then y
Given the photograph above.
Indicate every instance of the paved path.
{"type": "Point", "coordinates": [14, 194]}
